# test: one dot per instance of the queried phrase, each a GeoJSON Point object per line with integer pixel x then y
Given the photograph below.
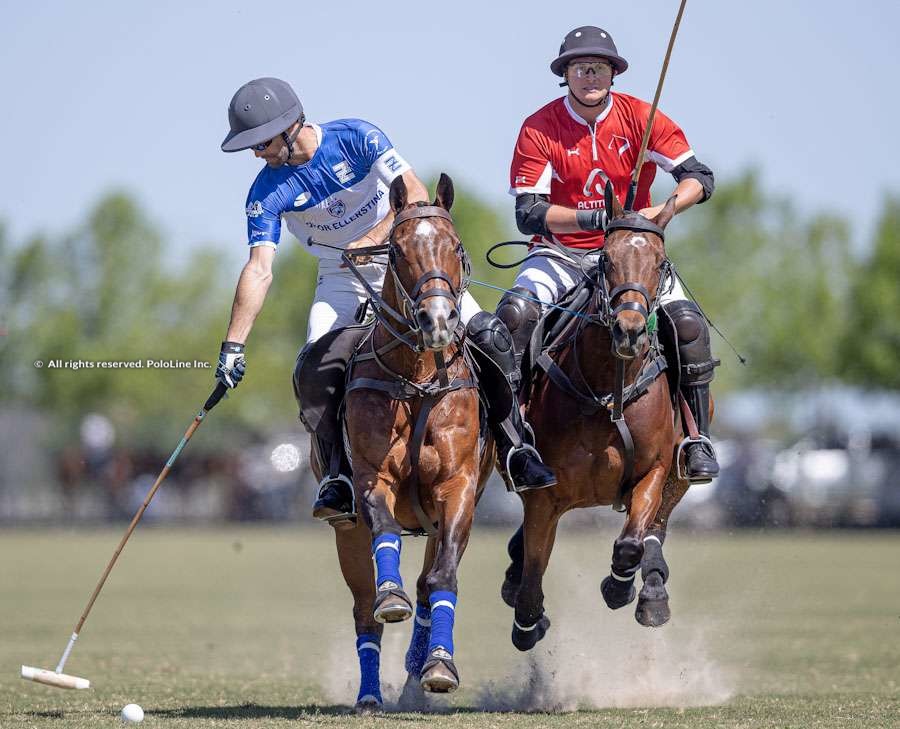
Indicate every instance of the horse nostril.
{"type": "Point", "coordinates": [424, 321]}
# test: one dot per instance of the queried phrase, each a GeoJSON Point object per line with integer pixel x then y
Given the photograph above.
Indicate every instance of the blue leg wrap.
{"type": "Point", "coordinates": [386, 550]}
{"type": "Point", "coordinates": [443, 611]}
{"type": "Point", "coordinates": [368, 648]}
{"type": "Point", "coordinates": [418, 645]}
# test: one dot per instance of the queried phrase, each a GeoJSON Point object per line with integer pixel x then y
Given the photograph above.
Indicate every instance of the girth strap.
{"type": "Point", "coordinates": [430, 394]}
{"type": "Point", "coordinates": [614, 404]}
{"type": "Point", "coordinates": [415, 450]}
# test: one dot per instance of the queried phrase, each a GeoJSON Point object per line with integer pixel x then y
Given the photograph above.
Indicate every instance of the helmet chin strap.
{"type": "Point", "coordinates": [289, 141]}
{"type": "Point", "coordinates": [602, 101]}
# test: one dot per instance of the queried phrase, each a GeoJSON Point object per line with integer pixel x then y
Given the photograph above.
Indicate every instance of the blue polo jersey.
{"type": "Point", "coordinates": [335, 197]}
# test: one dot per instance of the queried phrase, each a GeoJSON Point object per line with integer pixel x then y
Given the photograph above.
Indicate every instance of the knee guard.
{"type": "Point", "coordinates": [492, 347]}
{"type": "Point", "coordinates": [694, 351]}
{"type": "Point", "coordinates": [520, 315]}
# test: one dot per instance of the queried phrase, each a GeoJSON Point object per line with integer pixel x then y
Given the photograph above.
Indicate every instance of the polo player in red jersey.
{"type": "Point", "coordinates": [565, 153]}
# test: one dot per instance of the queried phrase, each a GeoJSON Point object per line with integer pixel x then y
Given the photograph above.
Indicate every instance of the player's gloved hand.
{"type": "Point", "coordinates": [591, 219]}
{"type": "Point", "coordinates": [232, 364]}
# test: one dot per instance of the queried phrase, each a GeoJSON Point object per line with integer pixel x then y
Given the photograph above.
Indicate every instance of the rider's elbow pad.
{"type": "Point", "coordinates": [692, 167]}
{"type": "Point", "coordinates": [531, 213]}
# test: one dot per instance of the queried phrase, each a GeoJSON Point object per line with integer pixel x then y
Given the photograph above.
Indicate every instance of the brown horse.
{"type": "Point", "coordinates": [576, 429]}
{"type": "Point", "coordinates": [412, 423]}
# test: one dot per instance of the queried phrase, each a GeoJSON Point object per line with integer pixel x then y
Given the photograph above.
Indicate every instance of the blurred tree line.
{"type": "Point", "coordinates": [785, 289]}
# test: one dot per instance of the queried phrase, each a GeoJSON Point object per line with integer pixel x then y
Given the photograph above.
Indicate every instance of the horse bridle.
{"type": "Point", "coordinates": [606, 314]}
{"type": "Point", "coordinates": [411, 301]}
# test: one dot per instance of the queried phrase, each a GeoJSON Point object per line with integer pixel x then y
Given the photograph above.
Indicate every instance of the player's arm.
{"type": "Point", "coordinates": [252, 286]}
{"type": "Point", "coordinates": [695, 185]}
{"type": "Point", "coordinates": [416, 192]}
{"type": "Point", "coordinates": [250, 294]}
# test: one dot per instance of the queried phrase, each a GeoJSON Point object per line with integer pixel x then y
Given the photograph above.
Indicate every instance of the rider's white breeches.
{"type": "Point", "coordinates": [550, 277]}
{"type": "Point", "coordinates": [339, 295]}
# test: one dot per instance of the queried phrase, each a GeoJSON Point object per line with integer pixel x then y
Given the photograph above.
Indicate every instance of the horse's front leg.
{"type": "Point", "coordinates": [618, 588]}
{"type": "Point", "coordinates": [530, 624]}
{"type": "Point", "coordinates": [456, 507]}
{"type": "Point", "coordinates": [356, 566]}
{"type": "Point", "coordinates": [653, 601]}
{"type": "Point", "coordinates": [392, 605]}
{"type": "Point", "coordinates": [412, 697]}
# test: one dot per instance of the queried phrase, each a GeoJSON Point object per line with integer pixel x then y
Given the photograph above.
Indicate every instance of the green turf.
{"type": "Point", "coordinates": [252, 628]}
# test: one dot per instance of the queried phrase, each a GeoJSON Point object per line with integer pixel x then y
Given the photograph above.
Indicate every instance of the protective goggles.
{"type": "Point", "coordinates": [288, 141]}
{"type": "Point", "coordinates": [583, 68]}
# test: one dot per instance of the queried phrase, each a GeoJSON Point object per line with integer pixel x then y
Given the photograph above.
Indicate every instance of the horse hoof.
{"type": "Point", "coordinates": [653, 603]}
{"type": "Point", "coordinates": [412, 698]}
{"type": "Point", "coordinates": [526, 638]}
{"type": "Point", "coordinates": [368, 705]}
{"type": "Point", "coordinates": [392, 606]}
{"type": "Point", "coordinates": [509, 591]}
{"type": "Point", "coordinates": [439, 674]}
{"type": "Point", "coordinates": [617, 594]}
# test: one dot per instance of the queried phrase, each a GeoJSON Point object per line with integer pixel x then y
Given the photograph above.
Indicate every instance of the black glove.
{"type": "Point", "coordinates": [591, 219]}
{"type": "Point", "coordinates": [232, 364]}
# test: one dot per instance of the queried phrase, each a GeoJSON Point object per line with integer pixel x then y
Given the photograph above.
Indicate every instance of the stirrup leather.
{"type": "Point", "coordinates": [681, 463]}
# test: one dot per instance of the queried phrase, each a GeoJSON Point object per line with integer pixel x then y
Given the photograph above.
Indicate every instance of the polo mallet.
{"type": "Point", "coordinates": [58, 678]}
{"type": "Point", "coordinates": [632, 189]}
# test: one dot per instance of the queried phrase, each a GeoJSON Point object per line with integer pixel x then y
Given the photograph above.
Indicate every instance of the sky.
{"type": "Point", "coordinates": [133, 95]}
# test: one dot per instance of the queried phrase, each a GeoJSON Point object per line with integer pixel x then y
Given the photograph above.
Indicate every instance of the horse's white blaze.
{"type": "Point", "coordinates": [424, 227]}
{"type": "Point", "coordinates": [638, 241]}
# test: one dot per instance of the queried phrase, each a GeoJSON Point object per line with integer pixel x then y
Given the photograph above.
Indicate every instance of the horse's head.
{"type": "Point", "coordinates": [635, 269]}
{"type": "Point", "coordinates": [429, 266]}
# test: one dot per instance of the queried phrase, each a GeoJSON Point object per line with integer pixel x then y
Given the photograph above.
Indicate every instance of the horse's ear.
{"type": "Point", "coordinates": [398, 194]}
{"type": "Point", "coordinates": [613, 206]}
{"type": "Point", "coordinates": [444, 195]}
{"type": "Point", "coordinates": [667, 213]}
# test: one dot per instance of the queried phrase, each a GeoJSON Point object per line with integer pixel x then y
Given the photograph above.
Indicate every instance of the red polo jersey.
{"type": "Point", "coordinates": [559, 154]}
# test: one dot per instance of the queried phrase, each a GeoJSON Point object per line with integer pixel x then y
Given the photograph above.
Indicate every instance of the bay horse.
{"type": "Point", "coordinates": [606, 423]}
{"type": "Point", "coordinates": [412, 424]}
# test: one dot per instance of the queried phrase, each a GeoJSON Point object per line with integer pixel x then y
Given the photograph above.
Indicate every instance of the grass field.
{"type": "Point", "coordinates": [252, 628]}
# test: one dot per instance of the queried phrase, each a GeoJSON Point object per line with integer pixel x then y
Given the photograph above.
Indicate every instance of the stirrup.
{"type": "Point", "coordinates": [681, 464]}
{"type": "Point", "coordinates": [343, 516]}
{"type": "Point", "coordinates": [510, 482]}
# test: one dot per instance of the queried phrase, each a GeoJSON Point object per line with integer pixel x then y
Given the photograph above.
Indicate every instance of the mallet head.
{"type": "Point", "coordinates": [51, 678]}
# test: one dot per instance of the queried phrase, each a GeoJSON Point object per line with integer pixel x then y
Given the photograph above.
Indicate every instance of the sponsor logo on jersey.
{"type": "Point", "coordinates": [336, 208]}
{"type": "Point", "coordinates": [572, 152]}
{"type": "Point", "coordinates": [343, 172]}
{"type": "Point", "coordinates": [521, 180]}
{"type": "Point", "coordinates": [590, 186]}
{"type": "Point", "coordinates": [392, 163]}
{"type": "Point", "coordinates": [367, 207]}
{"type": "Point", "coordinates": [373, 137]}
{"type": "Point", "coordinates": [301, 199]}
{"type": "Point", "coordinates": [621, 144]}
{"type": "Point", "coordinates": [254, 209]}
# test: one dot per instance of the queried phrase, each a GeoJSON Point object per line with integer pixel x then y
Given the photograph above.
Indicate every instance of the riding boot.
{"type": "Point", "coordinates": [520, 462]}
{"type": "Point", "coordinates": [492, 347]}
{"type": "Point", "coordinates": [697, 367]}
{"type": "Point", "coordinates": [700, 458]}
{"type": "Point", "coordinates": [334, 502]}
{"type": "Point", "coordinates": [520, 315]}
{"type": "Point", "coordinates": [318, 380]}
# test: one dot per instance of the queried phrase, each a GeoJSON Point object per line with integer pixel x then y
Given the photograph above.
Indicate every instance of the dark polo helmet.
{"type": "Point", "coordinates": [260, 110]}
{"type": "Point", "coordinates": [588, 41]}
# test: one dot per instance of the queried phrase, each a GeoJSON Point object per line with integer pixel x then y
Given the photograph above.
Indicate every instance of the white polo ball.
{"type": "Point", "coordinates": [132, 714]}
